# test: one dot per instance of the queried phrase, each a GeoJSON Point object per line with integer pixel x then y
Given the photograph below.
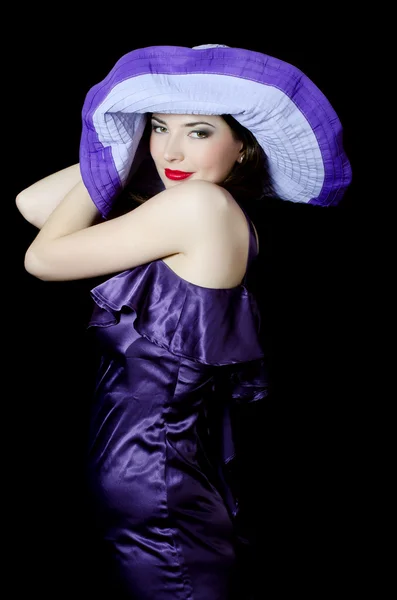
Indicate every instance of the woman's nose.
{"type": "Point", "coordinates": [173, 150]}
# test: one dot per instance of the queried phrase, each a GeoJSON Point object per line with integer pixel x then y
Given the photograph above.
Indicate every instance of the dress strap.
{"type": "Point", "coordinates": [253, 244]}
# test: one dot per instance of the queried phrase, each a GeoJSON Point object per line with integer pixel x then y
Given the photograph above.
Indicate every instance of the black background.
{"type": "Point", "coordinates": [311, 486]}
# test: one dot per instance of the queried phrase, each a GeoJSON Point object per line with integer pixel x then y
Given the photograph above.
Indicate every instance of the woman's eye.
{"type": "Point", "coordinates": [199, 134]}
{"type": "Point", "coordinates": [158, 129]}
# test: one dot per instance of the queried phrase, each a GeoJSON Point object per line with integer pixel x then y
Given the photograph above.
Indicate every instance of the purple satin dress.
{"type": "Point", "coordinates": [161, 505]}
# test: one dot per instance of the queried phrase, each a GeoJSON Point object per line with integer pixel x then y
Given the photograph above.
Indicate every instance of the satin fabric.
{"type": "Point", "coordinates": [161, 436]}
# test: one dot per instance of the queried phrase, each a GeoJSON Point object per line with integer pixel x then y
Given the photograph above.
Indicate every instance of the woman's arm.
{"type": "Point", "coordinates": [38, 201]}
{"type": "Point", "coordinates": [73, 245]}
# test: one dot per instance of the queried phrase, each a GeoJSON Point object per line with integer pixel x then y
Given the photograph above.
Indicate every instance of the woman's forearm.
{"type": "Point", "coordinates": [38, 201]}
{"type": "Point", "coordinates": [75, 212]}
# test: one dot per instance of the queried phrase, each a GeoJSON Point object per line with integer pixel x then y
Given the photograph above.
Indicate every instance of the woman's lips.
{"type": "Point", "coordinates": [176, 175]}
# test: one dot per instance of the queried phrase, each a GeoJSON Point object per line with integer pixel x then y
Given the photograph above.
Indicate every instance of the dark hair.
{"type": "Point", "coordinates": [248, 180]}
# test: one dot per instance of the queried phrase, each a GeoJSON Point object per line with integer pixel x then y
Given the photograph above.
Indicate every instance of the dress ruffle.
{"type": "Point", "coordinates": [212, 326]}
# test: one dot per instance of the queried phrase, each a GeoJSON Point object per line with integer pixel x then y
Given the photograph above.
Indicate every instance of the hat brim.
{"type": "Point", "coordinates": [288, 114]}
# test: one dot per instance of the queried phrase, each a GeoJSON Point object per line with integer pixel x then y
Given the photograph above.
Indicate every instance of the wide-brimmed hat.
{"type": "Point", "coordinates": [287, 113]}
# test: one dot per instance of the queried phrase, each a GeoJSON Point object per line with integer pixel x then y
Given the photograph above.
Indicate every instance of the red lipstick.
{"type": "Point", "coordinates": [176, 175]}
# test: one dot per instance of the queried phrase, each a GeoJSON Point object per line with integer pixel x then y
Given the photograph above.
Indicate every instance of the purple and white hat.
{"type": "Point", "coordinates": [289, 116]}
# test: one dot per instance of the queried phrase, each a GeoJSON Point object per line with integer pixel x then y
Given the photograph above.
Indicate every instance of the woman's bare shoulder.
{"type": "Point", "coordinates": [217, 256]}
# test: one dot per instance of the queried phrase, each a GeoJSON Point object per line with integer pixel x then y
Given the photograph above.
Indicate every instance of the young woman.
{"type": "Point", "coordinates": [193, 137]}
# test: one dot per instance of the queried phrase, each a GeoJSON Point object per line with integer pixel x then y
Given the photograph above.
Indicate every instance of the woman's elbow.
{"type": "Point", "coordinates": [34, 265]}
{"type": "Point", "coordinates": [27, 210]}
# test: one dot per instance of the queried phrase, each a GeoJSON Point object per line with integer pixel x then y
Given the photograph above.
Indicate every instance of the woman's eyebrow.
{"type": "Point", "coordinates": [192, 124]}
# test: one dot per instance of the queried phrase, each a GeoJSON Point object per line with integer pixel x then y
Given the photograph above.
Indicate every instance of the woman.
{"type": "Point", "coordinates": [195, 137]}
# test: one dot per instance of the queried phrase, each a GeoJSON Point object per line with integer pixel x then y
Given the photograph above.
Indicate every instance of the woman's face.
{"type": "Point", "coordinates": [192, 147]}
